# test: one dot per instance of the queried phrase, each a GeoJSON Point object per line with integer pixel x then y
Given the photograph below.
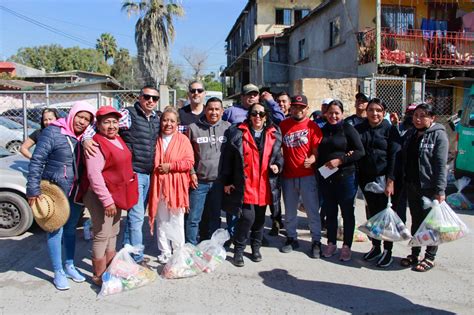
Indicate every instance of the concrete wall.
{"type": "Point", "coordinates": [339, 61]}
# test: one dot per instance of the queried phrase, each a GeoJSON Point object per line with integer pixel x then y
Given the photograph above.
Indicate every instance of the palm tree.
{"type": "Point", "coordinates": [154, 31]}
{"type": "Point", "coordinates": [106, 45]}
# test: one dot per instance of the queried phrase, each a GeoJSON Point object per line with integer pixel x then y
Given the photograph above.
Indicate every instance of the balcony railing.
{"type": "Point", "coordinates": [419, 47]}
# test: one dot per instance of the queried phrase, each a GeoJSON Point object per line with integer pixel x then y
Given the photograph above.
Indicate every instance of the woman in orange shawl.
{"type": "Point", "coordinates": [169, 198]}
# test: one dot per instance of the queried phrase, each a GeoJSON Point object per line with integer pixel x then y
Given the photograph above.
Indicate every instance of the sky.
{"type": "Point", "coordinates": [204, 27]}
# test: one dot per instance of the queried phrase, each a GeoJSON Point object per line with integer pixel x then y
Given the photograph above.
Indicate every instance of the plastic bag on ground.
{"type": "Point", "coordinates": [358, 235]}
{"type": "Point", "coordinates": [441, 225]}
{"type": "Point", "coordinates": [190, 260]}
{"type": "Point", "coordinates": [124, 273]}
{"type": "Point", "coordinates": [386, 226]}
{"type": "Point", "coordinates": [458, 200]}
{"type": "Point", "coordinates": [377, 187]}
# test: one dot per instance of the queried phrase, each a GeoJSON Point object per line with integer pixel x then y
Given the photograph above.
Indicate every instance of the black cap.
{"type": "Point", "coordinates": [300, 100]}
{"type": "Point", "coordinates": [361, 96]}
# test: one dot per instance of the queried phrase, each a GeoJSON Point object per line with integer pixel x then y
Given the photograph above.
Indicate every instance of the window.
{"type": "Point", "coordinates": [398, 19]}
{"type": "Point", "coordinates": [300, 14]}
{"type": "Point", "coordinates": [259, 54]}
{"type": "Point", "coordinates": [283, 16]}
{"type": "Point", "coordinates": [334, 32]}
{"type": "Point", "coordinates": [279, 53]}
{"type": "Point", "coordinates": [301, 49]}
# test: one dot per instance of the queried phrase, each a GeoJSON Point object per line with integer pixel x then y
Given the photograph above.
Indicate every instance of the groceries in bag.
{"type": "Point", "coordinates": [386, 226]}
{"type": "Point", "coordinates": [441, 225]}
{"type": "Point", "coordinates": [124, 273]}
{"type": "Point", "coordinates": [458, 200]}
{"type": "Point", "coordinates": [358, 235]}
{"type": "Point", "coordinates": [189, 260]}
{"type": "Point", "coordinates": [377, 186]}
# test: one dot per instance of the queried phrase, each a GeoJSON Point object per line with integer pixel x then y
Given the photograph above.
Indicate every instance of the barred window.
{"type": "Point", "coordinates": [399, 19]}
{"type": "Point", "coordinates": [283, 16]}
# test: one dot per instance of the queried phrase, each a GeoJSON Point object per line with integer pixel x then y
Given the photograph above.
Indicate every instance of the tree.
{"type": "Point", "coordinates": [211, 83]}
{"type": "Point", "coordinates": [175, 76]}
{"type": "Point", "coordinates": [106, 45]}
{"type": "Point", "coordinates": [122, 68]}
{"type": "Point", "coordinates": [154, 31]}
{"type": "Point", "coordinates": [196, 59]}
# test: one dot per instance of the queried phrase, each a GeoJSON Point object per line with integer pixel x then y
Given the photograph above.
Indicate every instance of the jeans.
{"type": "Point", "coordinates": [204, 207]}
{"type": "Point", "coordinates": [418, 214]}
{"type": "Point", "coordinates": [65, 235]}
{"type": "Point", "coordinates": [252, 220]}
{"type": "Point", "coordinates": [133, 233]}
{"type": "Point", "coordinates": [339, 192]}
{"type": "Point", "coordinates": [307, 188]}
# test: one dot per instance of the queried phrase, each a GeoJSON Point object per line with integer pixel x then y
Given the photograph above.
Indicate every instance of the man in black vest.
{"type": "Point", "coordinates": [139, 129]}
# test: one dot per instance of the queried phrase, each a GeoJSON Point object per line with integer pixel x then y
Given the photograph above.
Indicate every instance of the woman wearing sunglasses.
{"type": "Point", "coordinates": [251, 163]}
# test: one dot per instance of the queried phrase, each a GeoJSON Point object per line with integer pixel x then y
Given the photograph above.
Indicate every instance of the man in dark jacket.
{"type": "Point", "coordinates": [194, 111]}
{"type": "Point", "coordinates": [207, 138]}
{"type": "Point", "coordinates": [140, 126]}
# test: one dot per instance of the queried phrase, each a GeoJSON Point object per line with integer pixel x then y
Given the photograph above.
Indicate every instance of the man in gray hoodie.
{"type": "Point", "coordinates": [207, 138]}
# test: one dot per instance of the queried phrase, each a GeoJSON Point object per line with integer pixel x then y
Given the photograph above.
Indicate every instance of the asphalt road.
{"type": "Point", "coordinates": [281, 283]}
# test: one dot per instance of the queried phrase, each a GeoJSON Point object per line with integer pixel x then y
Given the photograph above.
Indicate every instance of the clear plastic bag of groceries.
{"type": "Point", "coordinates": [441, 225]}
{"type": "Point", "coordinates": [376, 187]}
{"type": "Point", "coordinates": [213, 250]}
{"type": "Point", "coordinates": [187, 261]}
{"type": "Point", "coordinates": [358, 235]}
{"type": "Point", "coordinates": [458, 200]}
{"type": "Point", "coordinates": [124, 273]}
{"type": "Point", "coordinates": [386, 226]}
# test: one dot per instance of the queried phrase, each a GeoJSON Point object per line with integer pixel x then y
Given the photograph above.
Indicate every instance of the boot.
{"type": "Point", "coordinates": [98, 267]}
{"type": "Point", "coordinates": [109, 255]}
{"type": "Point", "coordinates": [256, 256]}
{"type": "Point", "coordinates": [238, 259]}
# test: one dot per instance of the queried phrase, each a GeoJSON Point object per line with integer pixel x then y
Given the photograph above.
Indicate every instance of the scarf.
{"type": "Point", "coordinates": [67, 124]}
{"type": "Point", "coordinates": [174, 186]}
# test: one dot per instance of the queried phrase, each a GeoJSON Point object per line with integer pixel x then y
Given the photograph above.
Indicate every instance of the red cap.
{"type": "Point", "coordinates": [411, 107]}
{"type": "Point", "coordinates": [105, 110]}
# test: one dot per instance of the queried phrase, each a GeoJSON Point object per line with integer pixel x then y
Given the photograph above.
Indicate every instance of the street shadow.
{"type": "Point", "coordinates": [347, 298]}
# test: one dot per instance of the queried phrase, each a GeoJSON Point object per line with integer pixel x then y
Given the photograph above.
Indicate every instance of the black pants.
{"type": "Point", "coordinates": [251, 220]}
{"type": "Point", "coordinates": [275, 210]}
{"type": "Point", "coordinates": [418, 214]}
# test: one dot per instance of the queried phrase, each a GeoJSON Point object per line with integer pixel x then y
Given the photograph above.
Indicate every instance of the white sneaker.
{"type": "Point", "coordinates": [163, 259]}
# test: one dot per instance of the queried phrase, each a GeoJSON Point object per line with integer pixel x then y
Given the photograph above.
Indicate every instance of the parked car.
{"type": "Point", "coordinates": [11, 134]}
{"type": "Point", "coordinates": [33, 114]}
{"type": "Point", "coordinates": [464, 163]}
{"type": "Point", "coordinates": [15, 213]}
{"type": "Point", "coordinates": [31, 124]}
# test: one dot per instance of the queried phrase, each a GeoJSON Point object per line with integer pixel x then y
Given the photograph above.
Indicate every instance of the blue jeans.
{"type": "Point", "coordinates": [133, 233]}
{"type": "Point", "coordinates": [204, 202]}
{"type": "Point", "coordinates": [307, 188]}
{"type": "Point", "coordinates": [65, 235]}
{"type": "Point", "coordinates": [339, 192]}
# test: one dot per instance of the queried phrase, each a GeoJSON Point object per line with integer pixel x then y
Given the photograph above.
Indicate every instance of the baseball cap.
{"type": "Point", "coordinates": [326, 101]}
{"type": "Point", "coordinates": [249, 88]}
{"type": "Point", "coordinates": [299, 100]}
{"type": "Point", "coordinates": [411, 107]}
{"type": "Point", "coordinates": [361, 96]}
{"type": "Point", "coordinates": [105, 110]}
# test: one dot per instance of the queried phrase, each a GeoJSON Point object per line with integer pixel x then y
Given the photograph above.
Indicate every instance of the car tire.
{"type": "Point", "coordinates": [15, 214]}
{"type": "Point", "coordinates": [14, 147]}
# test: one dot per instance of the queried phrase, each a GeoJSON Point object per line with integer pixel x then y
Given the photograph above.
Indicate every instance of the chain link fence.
{"type": "Point", "coordinates": [20, 112]}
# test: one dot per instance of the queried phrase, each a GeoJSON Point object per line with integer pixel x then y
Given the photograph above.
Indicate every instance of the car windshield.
{"type": "Point", "coordinates": [10, 124]}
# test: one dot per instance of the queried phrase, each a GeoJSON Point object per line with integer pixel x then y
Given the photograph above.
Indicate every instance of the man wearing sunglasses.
{"type": "Point", "coordinates": [301, 138]}
{"type": "Point", "coordinates": [191, 113]}
{"type": "Point", "coordinates": [139, 127]}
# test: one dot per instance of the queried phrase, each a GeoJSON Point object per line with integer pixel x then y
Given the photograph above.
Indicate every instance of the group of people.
{"type": "Point", "coordinates": [187, 165]}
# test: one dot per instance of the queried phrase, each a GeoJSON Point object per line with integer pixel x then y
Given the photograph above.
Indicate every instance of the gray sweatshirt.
{"type": "Point", "coordinates": [207, 141]}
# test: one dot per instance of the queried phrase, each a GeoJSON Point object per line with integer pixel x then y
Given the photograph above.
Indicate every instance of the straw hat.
{"type": "Point", "coordinates": [52, 211]}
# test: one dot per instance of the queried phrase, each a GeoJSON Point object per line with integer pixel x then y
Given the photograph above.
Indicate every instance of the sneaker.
{"type": "Point", "coordinates": [385, 260]}
{"type": "Point", "coordinates": [163, 259]}
{"type": "Point", "coordinates": [346, 253]}
{"type": "Point", "coordinates": [373, 254]}
{"type": "Point", "coordinates": [315, 250]}
{"type": "Point", "coordinates": [74, 274]}
{"type": "Point", "coordinates": [60, 280]}
{"type": "Point", "coordinates": [290, 245]}
{"type": "Point", "coordinates": [330, 250]}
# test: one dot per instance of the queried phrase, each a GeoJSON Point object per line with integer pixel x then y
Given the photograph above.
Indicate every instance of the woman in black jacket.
{"type": "Point", "coordinates": [381, 142]}
{"type": "Point", "coordinates": [252, 160]}
{"type": "Point", "coordinates": [340, 147]}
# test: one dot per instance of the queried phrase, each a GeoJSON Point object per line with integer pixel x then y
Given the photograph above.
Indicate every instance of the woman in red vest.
{"type": "Point", "coordinates": [252, 160]}
{"type": "Point", "coordinates": [111, 186]}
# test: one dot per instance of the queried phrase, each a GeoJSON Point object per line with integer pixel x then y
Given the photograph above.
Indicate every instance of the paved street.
{"type": "Point", "coordinates": [281, 283]}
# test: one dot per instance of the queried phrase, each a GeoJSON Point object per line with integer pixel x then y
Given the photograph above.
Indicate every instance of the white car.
{"type": "Point", "coordinates": [11, 134]}
{"type": "Point", "coordinates": [15, 213]}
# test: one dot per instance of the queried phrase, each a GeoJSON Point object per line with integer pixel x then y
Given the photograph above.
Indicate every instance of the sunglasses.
{"type": "Point", "coordinates": [255, 114]}
{"type": "Point", "coordinates": [194, 91]}
{"type": "Point", "coordinates": [154, 97]}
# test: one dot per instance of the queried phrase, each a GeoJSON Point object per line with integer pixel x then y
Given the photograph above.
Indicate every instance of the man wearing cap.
{"type": "Point", "coordinates": [139, 128]}
{"type": "Point", "coordinates": [191, 113]}
{"type": "Point", "coordinates": [301, 138]}
{"type": "Point", "coordinates": [361, 110]}
{"type": "Point", "coordinates": [320, 119]}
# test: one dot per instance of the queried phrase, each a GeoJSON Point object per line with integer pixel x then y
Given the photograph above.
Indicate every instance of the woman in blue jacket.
{"type": "Point", "coordinates": [55, 158]}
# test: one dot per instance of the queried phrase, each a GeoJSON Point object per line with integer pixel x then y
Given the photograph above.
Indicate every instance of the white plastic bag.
{"type": "Point", "coordinates": [213, 250]}
{"type": "Point", "coordinates": [386, 226]}
{"type": "Point", "coordinates": [441, 225]}
{"type": "Point", "coordinates": [458, 200]}
{"type": "Point", "coordinates": [377, 187]}
{"type": "Point", "coordinates": [358, 235]}
{"type": "Point", "coordinates": [124, 273]}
